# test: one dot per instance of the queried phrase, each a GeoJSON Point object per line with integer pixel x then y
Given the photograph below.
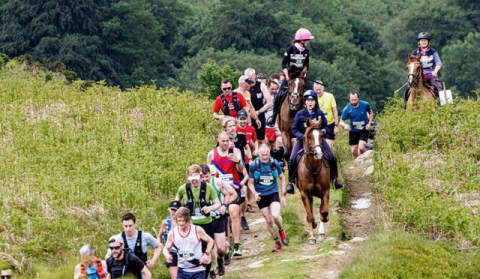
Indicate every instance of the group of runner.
{"type": "Point", "coordinates": [208, 213]}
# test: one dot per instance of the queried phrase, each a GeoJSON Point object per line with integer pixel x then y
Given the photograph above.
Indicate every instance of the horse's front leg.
{"type": "Point", "coordinates": [308, 204]}
{"type": "Point", "coordinates": [411, 97]}
{"type": "Point", "coordinates": [324, 204]}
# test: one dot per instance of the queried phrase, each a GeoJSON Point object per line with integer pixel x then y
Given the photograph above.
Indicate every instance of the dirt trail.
{"type": "Point", "coordinates": [315, 259]}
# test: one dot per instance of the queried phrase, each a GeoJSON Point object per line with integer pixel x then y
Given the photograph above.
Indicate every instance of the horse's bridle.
{"type": "Point", "coordinates": [292, 106]}
{"type": "Point", "coordinates": [415, 76]}
{"type": "Point", "coordinates": [310, 150]}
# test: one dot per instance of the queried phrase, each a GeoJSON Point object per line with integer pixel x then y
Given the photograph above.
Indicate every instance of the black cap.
{"type": "Point", "coordinates": [242, 114]}
{"type": "Point", "coordinates": [174, 205]}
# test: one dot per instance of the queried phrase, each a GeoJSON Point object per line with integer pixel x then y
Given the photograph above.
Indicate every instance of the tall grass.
{"type": "Point", "coordinates": [74, 158]}
{"type": "Point", "coordinates": [427, 168]}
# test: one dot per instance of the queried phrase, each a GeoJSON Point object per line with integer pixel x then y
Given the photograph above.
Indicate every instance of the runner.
{"type": "Point", "coordinates": [263, 173]}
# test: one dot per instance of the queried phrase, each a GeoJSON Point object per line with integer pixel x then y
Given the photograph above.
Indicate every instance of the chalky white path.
{"type": "Point", "coordinates": [361, 203]}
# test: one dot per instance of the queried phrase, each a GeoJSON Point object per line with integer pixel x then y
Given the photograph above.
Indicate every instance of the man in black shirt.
{"type": "Point", "coordinates": [122, 264]}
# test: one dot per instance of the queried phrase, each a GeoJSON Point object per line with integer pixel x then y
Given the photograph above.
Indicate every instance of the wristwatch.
{"type": "Point", "coordinates": [207, 253]}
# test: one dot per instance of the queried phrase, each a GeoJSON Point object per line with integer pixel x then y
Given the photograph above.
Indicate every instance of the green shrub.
{"type": "Point", "coordinates": [427, 169]}
{"type": "Point", "coordinates": [74, 158]}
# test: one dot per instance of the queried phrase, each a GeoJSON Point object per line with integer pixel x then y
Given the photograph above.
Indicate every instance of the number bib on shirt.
{"type": "Point", "coordinates": [186, 255]}
{"type": "Point", "coordinates": [266, 180]}
{"type": "Point", "coordinates": [197, 214]}
{"type": "Point", "coordinates": [358, 125]}
{"type": "Point", "coordinates": [228, 177]}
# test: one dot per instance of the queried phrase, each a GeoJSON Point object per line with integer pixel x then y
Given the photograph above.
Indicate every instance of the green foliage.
{"type": "Point", "coordinates": [461, 63]}
{"type": "Point", "coordinates": [211, 76]}
{"type": "Point", "coordinates": [409, 256]}
{"type": "Point", "coordinates": [427, 169]}
{"type": "Point", "coordinates": [74, 158]}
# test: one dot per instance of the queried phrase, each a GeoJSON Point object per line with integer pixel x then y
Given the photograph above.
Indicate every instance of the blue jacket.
{"type": "Point", "coordinates": [300, 122]}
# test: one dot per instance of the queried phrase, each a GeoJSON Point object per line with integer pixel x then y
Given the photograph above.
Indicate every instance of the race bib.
{"type": "Point", "coordinates": [266, 180]}
{"type": "Point", "coordinates": [197, 214]}
{"type": "Point", "coordinates": [325, 112]}
{"type": "Point", "coordinates": [227, 177]}
{"type": "Point", "coordinates": [242, 192]}
{"type": "Point", "coordinates": [186, 255]}
{"type": "Point", "coordinates": [358, 125]}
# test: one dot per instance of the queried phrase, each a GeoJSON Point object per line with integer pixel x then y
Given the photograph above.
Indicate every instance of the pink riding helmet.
{"type": "Point", "coordinates": [303, 35]}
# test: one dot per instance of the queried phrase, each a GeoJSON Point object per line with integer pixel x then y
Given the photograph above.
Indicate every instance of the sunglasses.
{"type": "Point", "coordinates": [115, 247]}
{"type": "Point", "coordinates": [5, 276]}
{"type": "Point", "coordinates": [227, 88]}
{"type": "Point", "coordinates": [262, 77]}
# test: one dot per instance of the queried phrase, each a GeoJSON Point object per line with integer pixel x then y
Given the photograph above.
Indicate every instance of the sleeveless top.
{"type": "Point", "coordinates": [92, 272]}
{"type": "Point", "coordinates": [189, 249]}
{"type": "Point", "coordinates": [256, 95]}
{"type": "Point", "coordinates": [227, 169]}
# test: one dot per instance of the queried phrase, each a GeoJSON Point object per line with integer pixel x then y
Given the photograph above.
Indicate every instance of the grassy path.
{"type": "Point", "coordinates": [344, 234]}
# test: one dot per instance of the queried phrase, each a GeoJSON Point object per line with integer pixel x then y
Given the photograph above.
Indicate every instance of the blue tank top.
{"type": "Point", "coordinates": [92, 272]}
{"type": "Point", "coordinates": [168, 228]}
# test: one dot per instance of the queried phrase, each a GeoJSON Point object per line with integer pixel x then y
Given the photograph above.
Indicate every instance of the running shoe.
{"type": "Point", "coordinates": [220, 271]}
{"type": "Point", "coordinates": [277, 248]}
{"type": "Point", "coordinates": [228, 256]}
{"type": "Point", "coordinates": [212, 275]}
{"type": "Point", "coordinates": [250, 208]}
{"type": "Point", "coordinates": [245, 226]}
{"type": "Point", "coordinates": [284, 237]}
{"type": "Point", "coordinates": [237, 252]}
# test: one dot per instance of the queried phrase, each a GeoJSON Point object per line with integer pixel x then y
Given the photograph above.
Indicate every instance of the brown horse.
{"type": "Point", "coordinates": [314, 178]}
{"type": "Point", "coordinates": [417, 89]}
{"type": "Point", "coordinates": [290, 106]}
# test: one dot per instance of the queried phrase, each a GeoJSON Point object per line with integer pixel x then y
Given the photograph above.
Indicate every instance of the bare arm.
{"type": "Point", "coordinates": [146, 273]}
{"type": "Point", "coordinates": [163, 227]}
{"type": "Point", "coordinates": [210, 157]}
{"type": "Point", "coordinates": [251, 187]}
{"type": "Point", "coordinates": [335, 119]}
{"type": "Point", "coordinates": [204, 237]}
{"type": "Point", "coordinates": [166, 248]}
{"type": "Point", "coordinates": [267, 97]}
{"type": "Point", "coordinates": [370, 119]}
{"type": "Point", "coordinates": [156, 255]}
{"type": "Point", "coordinates": [238, 160]}
{"type": "Point", "coordinates": [76, 272]}
{"type": "Point", "coordinates": [217, 116]}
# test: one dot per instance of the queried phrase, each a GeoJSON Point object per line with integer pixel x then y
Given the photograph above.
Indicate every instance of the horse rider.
{"type": "Point", "coordinates": [430, 61]}
{"type": "Point", "coordinates": [313, 112]}
{"type": "Point", "coordinates": [295, 63]}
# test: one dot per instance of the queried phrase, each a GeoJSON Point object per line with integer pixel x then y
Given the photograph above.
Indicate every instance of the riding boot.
{"type": "Point", "coordinates": [334, 173]}
{"type": "Point", "coordinates": [291, 185]}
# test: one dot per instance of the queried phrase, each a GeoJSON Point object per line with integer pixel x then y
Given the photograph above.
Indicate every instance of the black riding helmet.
{"type": "Point", "coordinates": [423, 35]}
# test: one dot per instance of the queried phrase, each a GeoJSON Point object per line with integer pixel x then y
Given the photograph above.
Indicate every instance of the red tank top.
{"type": "Point", "coordinates": [227, 169]}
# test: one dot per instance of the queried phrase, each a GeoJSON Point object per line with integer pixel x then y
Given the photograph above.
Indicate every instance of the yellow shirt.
{"type": "Point", "coordinates": [326, 104]}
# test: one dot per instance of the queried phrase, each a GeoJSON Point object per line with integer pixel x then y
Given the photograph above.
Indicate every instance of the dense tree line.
{"type": "Point", "coordinates": [357, 46]}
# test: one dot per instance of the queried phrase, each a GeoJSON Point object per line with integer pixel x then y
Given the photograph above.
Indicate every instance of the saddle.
{"type": "Point", "coordinates": [297, 158]}
{"type": "Point", "coordinates": [431, 88]}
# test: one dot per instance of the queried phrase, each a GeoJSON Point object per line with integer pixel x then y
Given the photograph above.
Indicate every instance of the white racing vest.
{"type": "Point", "coordinates": [189, 248]}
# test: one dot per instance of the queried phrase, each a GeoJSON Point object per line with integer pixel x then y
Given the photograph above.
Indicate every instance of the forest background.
{"type": "Point", "coordinates": [359, 44]}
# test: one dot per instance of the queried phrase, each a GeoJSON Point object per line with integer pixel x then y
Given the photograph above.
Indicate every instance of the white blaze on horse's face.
{"type": "Point", "coordinates": [316, 139]}
{"type": "Point", "coordinates": [411, 68]}
{"type": "Point", "coordinates": [297, 81]}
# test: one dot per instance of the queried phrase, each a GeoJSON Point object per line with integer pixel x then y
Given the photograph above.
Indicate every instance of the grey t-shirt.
{"type": "Point", "coordinates": [147, 240]}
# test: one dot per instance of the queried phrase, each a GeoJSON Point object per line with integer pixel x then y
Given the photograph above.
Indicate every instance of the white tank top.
{"type": "Point", "coordinates": [189, 248]}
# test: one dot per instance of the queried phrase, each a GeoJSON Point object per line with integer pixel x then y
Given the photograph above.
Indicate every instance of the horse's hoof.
{"type": "Point", "coordinates": [314, 225]}
{"type": "Point", "coordinates": [321, 236]}
{"type": "Point", "coordinates": [312, 241]}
